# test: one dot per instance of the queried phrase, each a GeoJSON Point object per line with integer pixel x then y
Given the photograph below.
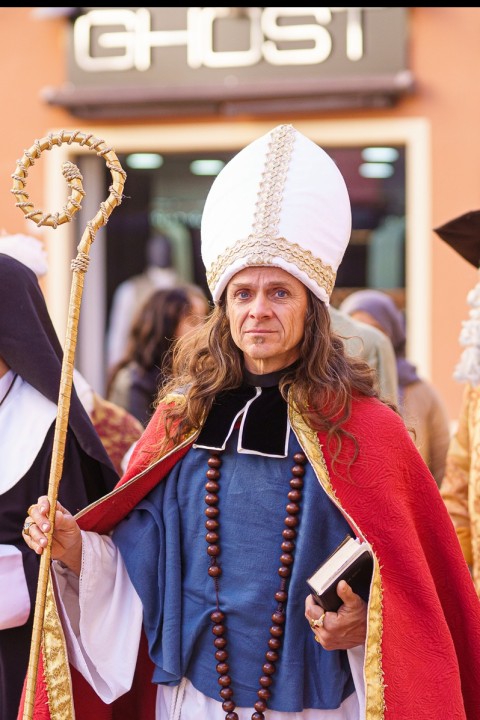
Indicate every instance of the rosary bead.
{"type": "Point", "coordinates": [300, 458]}
{"type": "Point", "coordinates": [258, 716]}
{"type": "Point", "coordinates": [281, 596]}
{"type": "Point", "coordinates": [218, 629]}
{"type": "Point", "coordinates": [212, 524]}
{"type": "Point", "coordinates": [220, 642]}
{"type": "Point", "coordinates": [293, 495]}
{"type": "Point", "coordinates": [212, 487]}
{"type": "Point", "coordinates": [221, 655]}
{"type": "Point", "coordinates": [276, 631]}
{"type": "Point", "coordinates": [211, 537]}
{"type": "Point", "coordinates": [224, 680]}
{"type": "Point", "coordinates": [265, 681]}
{"type": "Point", "coordinates": [226, 693]}
{"type": "Point", "coordinates": [212, 474]}
{"type": "Point", "coordinates": [297, 471]}
{"type": "Point", "coordinates": [263, 693]}
{"type": "Point", "coordinates": [271, 656]}
{"type": "Point", "coordinates": [217, 616]}
{"type": "Point", "coordinates": [296, 483]}
{"type": "Point", "coordinates": [286, 558]}
{"type": "Point", "coordinates": [284, 571]}
{"type": "Point", "coordinates": [212, 512]}
{"type": "Point", "coordinates": [214, 461]}
{"type": "Point", "coordinates": [211, 499]}
{"type": "Point", "coordinates": [213, 550]}
{"type": "Point", "coordinates": [288, 546]}
{"type": "Point", "coordinates": [228, 706]}
{"type": "Point", "coordinates": [274, 643]}
{"type": "Point", "coordinates": [222, 668]}
{"type": "Point", "coordinates": [278, 617]}
{"type": "Point", "coordinates": [214, 571]}
{"type": "Point", "coordinates": [268, 668]}
{"type": "Point", "coordinates": [290, 521]}
{"type": "Point", "coordinates": [292, 508]}
{"type": "Point", "coordinates": [260, 705]}
{"type": "Point", "coordinates": [231, 716]}
{"type": "Point", "coordinates": [289, 533]}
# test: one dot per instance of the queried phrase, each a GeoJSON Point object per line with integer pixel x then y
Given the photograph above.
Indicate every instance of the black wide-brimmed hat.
{"type": "Point", "coordinates": [463, 235]}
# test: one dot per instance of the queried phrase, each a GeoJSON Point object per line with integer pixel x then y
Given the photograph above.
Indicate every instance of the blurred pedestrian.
{"type": "Point", "coordinates": [165, 316]}
{"type": "Point", "coordinates": [28, 249]}
{"type": "Point", "coordinates": [117, 428]}
{"type": "Point", "coordinates": [461, 485]}
{"type": "Point", "coordinates": [131, 294]}
{"type": "Point", "coordinates": [373, 346]}
{"type": "Point", "coordinates": [419, 401]}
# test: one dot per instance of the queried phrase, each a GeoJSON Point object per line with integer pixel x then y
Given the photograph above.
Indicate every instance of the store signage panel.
{"type": "Point", "coordinates": [184, 45]}
{"type": "Point", "coordinates": [218, 53]}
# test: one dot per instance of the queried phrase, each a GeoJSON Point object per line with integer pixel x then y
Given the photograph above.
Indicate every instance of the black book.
{"type": "Point", "coordinates": [351, 561]}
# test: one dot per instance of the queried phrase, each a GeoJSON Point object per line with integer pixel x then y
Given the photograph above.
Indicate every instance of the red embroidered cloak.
{"type": "Point", "coordinates": [423, 641]}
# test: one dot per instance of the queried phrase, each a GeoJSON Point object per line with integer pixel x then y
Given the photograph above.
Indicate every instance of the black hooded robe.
{"type": "Point", "coordinates": [30, 347]}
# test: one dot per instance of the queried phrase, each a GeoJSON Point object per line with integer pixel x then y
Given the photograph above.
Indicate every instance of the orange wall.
{"type": "Point", "coordinates": [445, 60]}
{"type": "Point", "coordinates": [31, 57]}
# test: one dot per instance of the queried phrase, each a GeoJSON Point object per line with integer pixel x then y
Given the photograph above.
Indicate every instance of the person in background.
{"type": "Point", "coordinates": [117, 428]}
{"type": "Point", "coordinates": [30, 369]}
{"type": "Point", "coordinates": [460, 488]}
{"type": "Point", "coordinates": [373, 346]}
{"type": "Point", "coordinates": [164, 317]}
{"type": "Point", "coordinates": [28, 249]}
{"type": "Point", "coordinates": [419, 402]}
{"type": "Point", "coordinates": [131, 294]}
{"type": "Point", "coordinates": [184, 594]}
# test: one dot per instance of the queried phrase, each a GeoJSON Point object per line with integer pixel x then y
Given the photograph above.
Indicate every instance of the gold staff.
{"type": "Point", "coordinates": [79, 268]}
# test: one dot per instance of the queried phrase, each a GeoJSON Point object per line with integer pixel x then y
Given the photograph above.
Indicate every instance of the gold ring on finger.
{"type": "Point", "coordinates": [26, 527]}
{"type": "Point", "coordinates": [318, 623]}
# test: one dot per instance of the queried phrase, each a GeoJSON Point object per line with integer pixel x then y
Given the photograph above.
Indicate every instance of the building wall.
{"type": "Point", "coordinates": [444, 58]}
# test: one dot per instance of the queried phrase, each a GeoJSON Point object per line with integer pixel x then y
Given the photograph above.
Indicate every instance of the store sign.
{"type": "Point", "coordinates": [269, 38]}
{"type": "Point", "coordinates": [167, 58]}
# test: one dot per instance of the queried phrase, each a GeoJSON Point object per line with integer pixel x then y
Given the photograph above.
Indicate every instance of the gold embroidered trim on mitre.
{"type": "Point", "coordinates": [373, 664]}
{"type": "Point", "coordinates": [272, 183]}
{"type": "Point", "coordinates": [267, 251]}
{"type": "Point", "coordinates": [263, 246]}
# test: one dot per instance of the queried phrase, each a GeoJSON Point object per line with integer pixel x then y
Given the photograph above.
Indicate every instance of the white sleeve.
{"type": "Point", "coordinates": [356, 658]}
{"type": "Point", "coordinates": [101, 616]}
{"type": "Point", "coordinates": [14, 597]}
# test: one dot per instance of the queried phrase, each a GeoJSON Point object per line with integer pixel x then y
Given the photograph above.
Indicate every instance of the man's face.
{"type": "Point", "coordinates": [266, 308]}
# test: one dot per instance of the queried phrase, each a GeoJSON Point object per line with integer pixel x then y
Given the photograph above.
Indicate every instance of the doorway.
{"type": "Point", "coordinates": [176, 195]}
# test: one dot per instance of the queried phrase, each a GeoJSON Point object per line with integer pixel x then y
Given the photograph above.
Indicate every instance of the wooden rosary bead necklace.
{"type": "Point", "coordinates": [217, 617]}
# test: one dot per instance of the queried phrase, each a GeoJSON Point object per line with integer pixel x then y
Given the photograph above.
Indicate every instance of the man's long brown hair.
{"type": "Point", "coordinates": [322, 385]}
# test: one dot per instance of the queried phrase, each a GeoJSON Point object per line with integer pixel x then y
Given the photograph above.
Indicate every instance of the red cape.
{"type": "Point", "coordinates": [423, 644]}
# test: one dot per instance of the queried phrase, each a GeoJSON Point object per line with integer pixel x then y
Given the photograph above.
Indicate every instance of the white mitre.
{"type": "Point", "coordinates": [280, 201]}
